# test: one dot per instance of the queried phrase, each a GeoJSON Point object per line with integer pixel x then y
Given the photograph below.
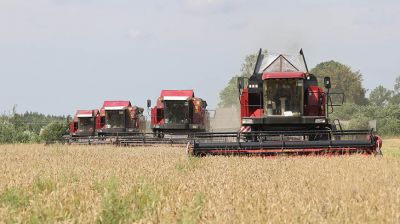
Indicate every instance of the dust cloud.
{"type": "Point", "coordinates": [225, 119]}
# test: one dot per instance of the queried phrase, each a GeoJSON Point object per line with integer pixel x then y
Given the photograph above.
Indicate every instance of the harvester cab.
{"type": "Point", "coordinates": [284, 111]}
{"type": "Point", "coordinates": [121, 118]}
{"type": "Point", "coordinates": [85, 123]}
{"type": "Point", "coordinates": [178, 112]}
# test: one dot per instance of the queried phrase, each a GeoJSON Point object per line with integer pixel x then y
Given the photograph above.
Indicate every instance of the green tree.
{"type": "Point", "coordinates": [343, 79]}
{"type": "Point", "coordinates": [345, 112]}
{"type": "Point", "coordinates": [26, 127]}
{"type": "Point", "coordinates": [229, 96]}
{"type": "Point", "coordinates": [7, 131]}
{"type": "Point", "coordinates": [380, 96]}
{"type": "Point", "coordinates": [397, 85]}
{"type": "Point", "coordinates": [54, 131]}
{"type": "Point", "coordinates": [395, 100]}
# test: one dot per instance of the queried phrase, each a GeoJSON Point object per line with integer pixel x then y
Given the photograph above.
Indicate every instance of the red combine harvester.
{"type": "Point", "coordinates": [120, 118]}
{"type": "Point", "coordinates": [284, 111]}
{"type": "Point", "coordinates": [179, 112]}
{"type": "Point", "coordinates": [85, 123]}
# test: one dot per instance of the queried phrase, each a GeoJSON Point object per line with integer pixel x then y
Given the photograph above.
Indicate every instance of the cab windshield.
{"type": "Point", "coordinates": [85, 124]}
{"type": "Point", "coordinates": [176, 111]}
{"type": "Point", "coordinates": [283, 97]}
{"type": "Point", "coordinates": [115, 118]}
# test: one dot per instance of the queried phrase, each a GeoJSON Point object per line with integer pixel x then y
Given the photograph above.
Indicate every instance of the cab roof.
{"type": "Point", "coordinates": [177, 94]}
{"type": "Point", "coordinates": [86, 113]}
{"type": "Point", "coordinates": [116, 104]}
{"type": "Point", "coordinates": [187, 93]}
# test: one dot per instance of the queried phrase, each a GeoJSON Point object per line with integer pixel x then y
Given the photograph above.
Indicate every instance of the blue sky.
{"type": "Point", "coordinates": [57, 56]}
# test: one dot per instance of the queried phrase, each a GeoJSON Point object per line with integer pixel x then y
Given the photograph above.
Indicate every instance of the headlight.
{"type": "Point", "coordinates": [108, 126]}
{"type": "Point", "coordinates": [320, 120]}
{"type": "Point", "coordinates": [247, 121]}
{"type": "Point", "coordinates": [195, 127]}
{"type": "Point", "coordinates": [253, 86]}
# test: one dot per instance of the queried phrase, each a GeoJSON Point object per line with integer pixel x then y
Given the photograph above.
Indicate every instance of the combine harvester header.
{"type": "Point", "coordinates": [285, 111]}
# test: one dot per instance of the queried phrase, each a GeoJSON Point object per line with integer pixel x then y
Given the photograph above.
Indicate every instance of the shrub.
{"type": "Point", "coordinates": [7, 132]}
{"type": "Point", "coordinates": [388, 117]}
{"type": "Point", "coordinates": [54, 131]}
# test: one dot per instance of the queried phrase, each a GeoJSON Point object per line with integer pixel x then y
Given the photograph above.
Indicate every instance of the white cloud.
{"type": "Point", "coordinates": [210, 6]}
{"type": "Point", "coordinates": [219, 33]}
{"type": "Point", "coordinates": [203, 3]}
{"type": "Point", "coordinates": [134, 34]}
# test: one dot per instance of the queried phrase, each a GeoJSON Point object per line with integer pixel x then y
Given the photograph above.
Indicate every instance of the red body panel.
{"type": "Point", "coordinates": [258, 113]}
{"type": "Point", "coordinates": [199, 113]}
{"type": "Point", "coordinates": [316, 101]}
{"type": "Point", "coordinates": [244, 102]}
{"type": "Point", "coordinates": [73, 128]}
{"type": "Point", "coordinates": [245, 109]}
{"type": "Point", "coordinates": [156, 116]}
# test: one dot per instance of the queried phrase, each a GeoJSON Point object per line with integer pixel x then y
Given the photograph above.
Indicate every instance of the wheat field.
{"type": "Point", "coordinates": [106, 184]}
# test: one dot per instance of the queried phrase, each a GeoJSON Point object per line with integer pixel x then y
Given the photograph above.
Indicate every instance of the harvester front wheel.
{"type": "Point", "coordinates": [323, 135]}
{"type": "Point", "coordinates": [379, 146]}
{"type": "Point", "coordinates": [158, 134]}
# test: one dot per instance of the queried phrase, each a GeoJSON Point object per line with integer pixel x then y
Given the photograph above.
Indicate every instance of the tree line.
{"type": "Point", "coordinates": [382, 104]}
{"type": "Point", "coordinates": [31, 127]}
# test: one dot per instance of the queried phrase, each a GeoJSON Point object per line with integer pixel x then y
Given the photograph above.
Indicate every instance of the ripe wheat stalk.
{"type": "Point", "coordinates": [105, 184]}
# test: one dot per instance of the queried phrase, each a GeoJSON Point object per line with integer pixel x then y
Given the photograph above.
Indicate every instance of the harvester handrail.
{"type": "Point", "coordinates": [201, 134]}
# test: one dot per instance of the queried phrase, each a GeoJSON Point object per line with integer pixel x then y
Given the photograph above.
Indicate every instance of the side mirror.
{"type": "Point", "coordinates": [240, 82]}
{"type": "Point", "coordinates": [327, 82]}
{"type": "Point", "coordinates": [148, 103]}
